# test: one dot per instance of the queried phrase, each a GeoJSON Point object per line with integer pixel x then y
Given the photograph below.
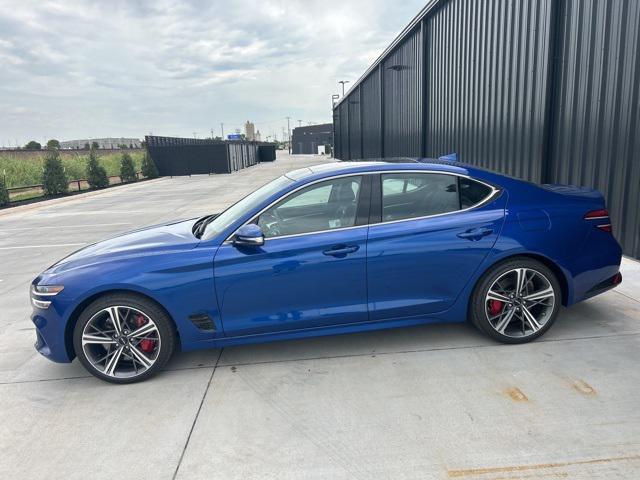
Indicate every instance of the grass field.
{"type": "Point", "coordinates": [19, 171]}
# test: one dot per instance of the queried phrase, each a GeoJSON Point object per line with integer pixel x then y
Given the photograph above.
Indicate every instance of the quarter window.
{"type": "Point", "coordinates": [322, 206]}
{"type": "Point", "coordinates": [471, 192]}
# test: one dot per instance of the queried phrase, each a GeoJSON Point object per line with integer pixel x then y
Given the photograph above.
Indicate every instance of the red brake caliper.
{"type": "Point", "coordinates": [495, 306]}
{"type": "Point", "coordinates": [146, 345]}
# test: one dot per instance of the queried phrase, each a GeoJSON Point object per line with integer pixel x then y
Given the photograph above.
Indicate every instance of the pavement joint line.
{"type": "Point", "coordinates": [195, 420]}
{"type": "Point", "coordinates": [66, 226]}
{"type": "Point", "coordinates": [333, 357]}
{"type": "Point", "coordinates": [418, 350]}
{"type": "Point", "coordinates": [627, 296]}
{"type": "Point", "coordinates": [22, 247]}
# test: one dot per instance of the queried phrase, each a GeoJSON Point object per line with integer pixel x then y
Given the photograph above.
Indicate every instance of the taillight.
{"type": "Point", "coordinates": [601, 217]}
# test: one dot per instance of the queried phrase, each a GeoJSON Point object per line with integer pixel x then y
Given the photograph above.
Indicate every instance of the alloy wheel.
{"type": "Point", "coordinates": [520, 302]}
{"type": "Point", "coordinates": [121, 341]}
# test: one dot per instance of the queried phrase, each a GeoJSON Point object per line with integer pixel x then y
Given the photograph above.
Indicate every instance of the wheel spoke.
{"type": "Point", "coordinates": [115, 319]}
{"type": "Point", "coordinates": [140, 357]}
{"type": "Point", "coordinates": [541, 295]}
{"type": "Point", "coordinates": [144, 330]}
{"type": "Point", "coordinates": [521, 277]}
{"type": "Point", "coordinates": [97, 339]}
{"type": "Point", "coordinates": [111, 365]}
{"type": "Point", "coordinates": [504, 321]}
{"type": "Point", "coordinates": [493, 295]}
{"type": "Point", "coordinates": [530, 319]}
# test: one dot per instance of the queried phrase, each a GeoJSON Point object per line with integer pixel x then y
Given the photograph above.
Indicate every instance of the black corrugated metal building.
{"type": "Point", "coordinates": [305, 140]}
{"type": "Point", "coordinates": [545, 90]}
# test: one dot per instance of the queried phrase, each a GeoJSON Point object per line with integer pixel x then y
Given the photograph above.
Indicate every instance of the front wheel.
{"type": "Point", "coordinates": [516, 301]}
{"type": "Point", "coordinates": [123, 338]}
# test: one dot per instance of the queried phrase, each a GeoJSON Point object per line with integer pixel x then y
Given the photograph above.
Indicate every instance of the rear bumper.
{"type": "Point", "coordinates": [597, 268]}
{"type": "Point", "coordinates": [605, 285]}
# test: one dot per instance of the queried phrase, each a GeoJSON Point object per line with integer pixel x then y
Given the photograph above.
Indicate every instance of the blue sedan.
{"type": "Point", "coordinates": [337, 248]}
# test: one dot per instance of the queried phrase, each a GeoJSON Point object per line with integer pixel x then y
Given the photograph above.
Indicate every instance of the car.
{"type": "Point", "coordinates": [335, 248]}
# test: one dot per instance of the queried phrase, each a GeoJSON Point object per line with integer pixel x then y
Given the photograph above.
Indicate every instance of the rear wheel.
{"type": "Point", "coordinates": [516, 301]}
{"type": "Point", "coordinates": [123, 338]}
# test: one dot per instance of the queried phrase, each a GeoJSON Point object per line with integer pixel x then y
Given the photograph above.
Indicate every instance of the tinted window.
{"type": "Point", "coordinates": [411, 195]}
{"type": "Point", "coordinates": [472, 192]}
{"type": "Point", "coordinates": [321, 206]}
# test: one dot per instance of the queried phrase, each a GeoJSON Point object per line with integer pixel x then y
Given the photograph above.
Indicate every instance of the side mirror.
{"type": "Point", "coordinates": [249, 236]}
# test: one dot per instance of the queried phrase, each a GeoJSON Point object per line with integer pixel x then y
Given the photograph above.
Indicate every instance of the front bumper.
{"type": "Point", "coordinates": [52, 340]}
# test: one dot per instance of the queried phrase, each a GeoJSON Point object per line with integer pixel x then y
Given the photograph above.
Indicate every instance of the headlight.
{"type": "Point", "coordinates": [44, 291]}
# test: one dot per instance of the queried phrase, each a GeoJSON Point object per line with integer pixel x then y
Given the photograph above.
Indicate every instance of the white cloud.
{"type": "Point", "coordinates": [75, 69]}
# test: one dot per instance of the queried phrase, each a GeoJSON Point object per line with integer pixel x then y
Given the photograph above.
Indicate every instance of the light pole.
{"type": "Point", "coordinates": [289, 134]}
{"type": "Point", "coordinates": [343, 82]}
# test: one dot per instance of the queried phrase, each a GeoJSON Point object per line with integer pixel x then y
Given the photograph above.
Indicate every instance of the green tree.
{"type": "Point", "coordinates": [33, 145]}
{"type": "Point", "coordinates": [53, 143]}
{"type": "Point", "coordinates": [54, 178]}
{"type": "Point", "coordinates": [96, 174]}
{"type": "Point", "coordinates": [95, 146]}
{"type": "Point", "coordinates": [4, 194]}
{"type": "Point", "coordinates": [127, 168]}
{"type": "Point", "coordinates": [148, 167]}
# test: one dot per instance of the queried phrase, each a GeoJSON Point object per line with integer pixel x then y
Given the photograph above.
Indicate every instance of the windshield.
{"type": "Point", "coordinates": [248, 203]}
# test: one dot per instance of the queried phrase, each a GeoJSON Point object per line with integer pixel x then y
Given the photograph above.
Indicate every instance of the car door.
{"type": "Point", "coordinates": [311, 270]}
{"type": "Point", "coordinates": [429, 233]}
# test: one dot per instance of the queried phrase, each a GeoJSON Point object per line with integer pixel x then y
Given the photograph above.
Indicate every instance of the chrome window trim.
{"type": "Point", "coordinates": [487, 199]}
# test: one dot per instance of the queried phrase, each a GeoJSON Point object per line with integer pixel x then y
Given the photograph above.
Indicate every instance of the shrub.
{"type": "Point", "coordinates": [148, 166]}
{"type": "Point", "coordinates": [4, 194]}
{"type": "Point", "coordinates": [54, 178]}
{"type": "Point", "coordinates": [53, 143]}
{"type": "Point", "coordinates": [127, 169]}
{"type": "Point", "coordinates": [32, 145]}
{"type": "Point", "coordinates": [96, 173]}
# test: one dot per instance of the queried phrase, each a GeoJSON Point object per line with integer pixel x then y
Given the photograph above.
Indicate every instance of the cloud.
{"type": "Point", "coordinates": [124, 68]}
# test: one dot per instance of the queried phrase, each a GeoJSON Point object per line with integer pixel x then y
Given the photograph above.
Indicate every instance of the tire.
{"type": "Point", "coordinates": [524, 316]}
{"type": "Point", "coordinates": [136, 351]}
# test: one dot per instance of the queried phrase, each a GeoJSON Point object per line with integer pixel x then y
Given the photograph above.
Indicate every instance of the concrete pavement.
{"type": "Point", "coordinates": [429, 402]}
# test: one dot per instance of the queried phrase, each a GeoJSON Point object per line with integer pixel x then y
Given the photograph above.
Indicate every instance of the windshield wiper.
{"type": "Point", "coordinates": [200, 226]}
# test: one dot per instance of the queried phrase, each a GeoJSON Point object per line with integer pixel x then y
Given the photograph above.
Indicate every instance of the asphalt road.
{"type": "Point", "coordinates": [430, 402]}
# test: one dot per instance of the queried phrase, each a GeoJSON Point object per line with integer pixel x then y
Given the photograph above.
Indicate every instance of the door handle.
{"type": "Point", "coordinates": [341, 250]}
{"type": "Point", "coordinates": [476, 233]}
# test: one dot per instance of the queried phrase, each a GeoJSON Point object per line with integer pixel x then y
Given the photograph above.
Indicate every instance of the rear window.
{"type": "Point", "coordinates": [415, 195]}
{"type": "Point", "coordinates": [412, 195]}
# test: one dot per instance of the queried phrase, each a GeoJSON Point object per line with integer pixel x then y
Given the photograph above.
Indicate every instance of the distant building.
{"type": "Point", "coordinates": [250, 131]}
{"type": "Point", "coordinates": [306, 140]}
{"type": "Point", "coordinates": [107, 143]}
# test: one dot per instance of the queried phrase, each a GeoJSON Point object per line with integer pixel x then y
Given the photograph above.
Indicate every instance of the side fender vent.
{"type": "Point", "coordinates": [203, 322]}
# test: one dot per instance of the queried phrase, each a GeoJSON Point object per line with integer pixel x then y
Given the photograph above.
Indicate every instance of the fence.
{"type": "Point", "coordinates": [29, 192]}
{"type": "Point", "coordinates": [189, 156]}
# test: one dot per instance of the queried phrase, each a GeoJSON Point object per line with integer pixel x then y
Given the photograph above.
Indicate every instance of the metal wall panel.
{"type": "Point", "coordinates": [596, 121]}
{"type": "Point", "coordinates": [337, 134]}
{"type": "Point", "coordinates": [370, 111]}
{"type": "Point", "coordinates": [344, 131]}
{"type": "Point", "coordinates": [402, 101]}
{"type": "Point", "coordinates": [486, 83]}
{"type": "Point", "coordinates": [355, 132]}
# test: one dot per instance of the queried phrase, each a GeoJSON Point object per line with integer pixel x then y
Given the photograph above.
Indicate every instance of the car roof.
{"type": "Point", "coordinates": [397, 163]}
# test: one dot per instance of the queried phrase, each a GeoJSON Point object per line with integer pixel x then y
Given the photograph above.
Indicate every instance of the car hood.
{"type": "Point", "coordinates": [145, 241]}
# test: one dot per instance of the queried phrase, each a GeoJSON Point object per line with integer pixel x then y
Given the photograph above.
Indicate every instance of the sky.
{"type": "Point", "coordinates": [91, 69]}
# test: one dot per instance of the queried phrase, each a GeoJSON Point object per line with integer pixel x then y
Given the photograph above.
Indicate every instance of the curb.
{"type": "Point", "coordinates": [71, 198]}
